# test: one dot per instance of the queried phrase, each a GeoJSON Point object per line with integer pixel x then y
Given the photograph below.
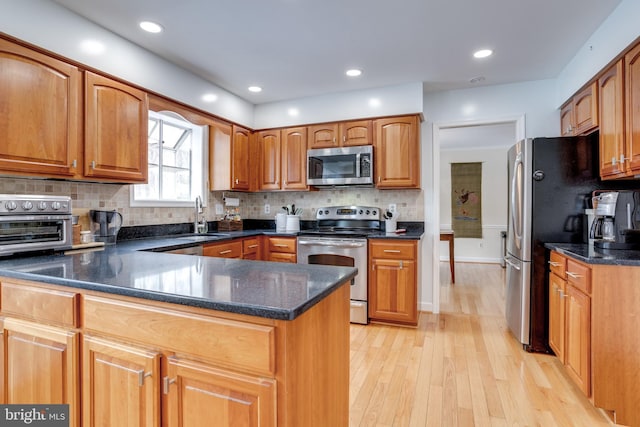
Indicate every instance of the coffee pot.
{"type": "Point", "coordinates": [105, 225]}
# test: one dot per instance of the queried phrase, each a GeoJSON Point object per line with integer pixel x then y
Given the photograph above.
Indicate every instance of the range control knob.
{"type": "Point", "coordinates": [42, 205]}
{"type": "Point", "coordinates": [360, 211]}
{"type": "Point", "coordinates": [27, 206]}
{"type": "Point", "coordinates": [368, 212]}
{"type": "Point", "coordinates": [11, 205]}
{"type": "Point", "coordinates": [326, 212]}
{"type": "Point", "coordinates": [374, 213]}
{"type": "Point", "coordinates": [55, 205]}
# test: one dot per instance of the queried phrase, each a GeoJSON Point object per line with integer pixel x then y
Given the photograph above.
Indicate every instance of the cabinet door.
{"type": "Point", "coordinates": [39, 125]}
{"type": "Point", "coordinates": [269, 144]}
{"type": "Point", "coordinates": [557, 289]}
{"type": "Point", "coordinates": [585, 107]}
{"type": "Point", "coordinates": [356, 133]}
{"type": "Point", "coordinates": [610, 88]}
{"type": "Point", "coordinates": [116, 140]}
{"type": "Point", "coordinates": [632, 73]}
{"type": "Point", "coordinates": [392, 291]}
{"type": "Point", "coordinates": [323, 136]}
{"type": "Point", "coordinates": [294, 158]}
{"type": "Point", "coordinates": [220, 135]}
{"type": "Point", "coordinates": [240, 159]}
{"type": "Point", "coordinates": [566, 120]}
{"type": "Point", "coordinates": [397, 152]}
{"type": "Point", "coordinates": [42, 366]}
{"type": "Point", "coordinates": [120, 385]}
{"type": "Point", "coordinates": [200, 395]}
{"type": "Point", "coordinates": [578, 339]}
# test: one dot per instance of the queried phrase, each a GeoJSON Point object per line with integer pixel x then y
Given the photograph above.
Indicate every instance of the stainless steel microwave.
{"type": "Point", "coordinates": [340, 166]}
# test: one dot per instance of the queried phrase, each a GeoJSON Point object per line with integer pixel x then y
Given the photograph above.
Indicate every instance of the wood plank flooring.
{"type": "Point", "coordinates": [461, 367]}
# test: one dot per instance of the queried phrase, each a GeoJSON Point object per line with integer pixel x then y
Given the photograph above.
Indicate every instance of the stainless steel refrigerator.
{"type": "Point", "coordinates": [550, 185]}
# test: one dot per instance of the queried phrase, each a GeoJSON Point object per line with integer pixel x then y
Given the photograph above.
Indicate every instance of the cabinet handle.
{"type": "Point", "coordinates": [228, 251]}
{"type": "Point", "coordinates": [253, 246]}
{"type": "Point", "coordinates": [74, 163]}
{"type": "Point", "coordinates": [574, 275]}
{"type": "Point", "coordinates": [277, 245]}
{"type": "Point", "coordinates": [554, 264]}
{"type": "Point", "coordinates": [391, 251]}
{"type": "Point", "coordinates": [401, 265]}
{"type": "Point", "coordinates": [93, 164]}
{"type": "Point", "coordinates": [166, 382]}
{"type": "Point", "coordinates": [344, 138]}
{"type": "Point", "coordinates": [141, 376]}
{"type": "Point", "coordinates": [614, 161]}
{"type": "Point", "coordinates": [623, 159]}
{"type": "Point", "coordinates": [237, 180]}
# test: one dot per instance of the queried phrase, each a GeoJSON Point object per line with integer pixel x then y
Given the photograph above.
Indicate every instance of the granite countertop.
{"type": "Point", "coordinates": [257, 288]}
{"type": "Point", "coordinates": [590, 255]}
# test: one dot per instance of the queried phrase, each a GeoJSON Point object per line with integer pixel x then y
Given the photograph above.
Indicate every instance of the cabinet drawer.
{"type": "Point", "coordinates": [46, 305]}
{"type": "Point", "coordinates": [280, 257]}
{"type": "Point", "coordinates": [229, 343]}
{"type": "Point", "coordinates": [282, 244]}
{"type": "Point", "coordinates": [579, 275]}
{"type": "Point", "coordinates": [224, 250]}
{"type": "Point", "coordinates": [557, 264]}
{"type": "Point", "coordinates": [250, 246]}
{"type": "Point", "coordinates": [392, 249]}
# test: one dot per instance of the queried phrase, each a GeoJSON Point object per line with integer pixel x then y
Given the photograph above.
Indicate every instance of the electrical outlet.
{"type": "Point", "coordinates": [392, 207]}
{"type": "Point", "coordinates": [218, 209]}
{"type": "Point", "coordinates": [267, 208]}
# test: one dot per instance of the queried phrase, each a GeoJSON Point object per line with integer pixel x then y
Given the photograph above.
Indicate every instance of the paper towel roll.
{"type": "Point", "coordinates": [231, 201]}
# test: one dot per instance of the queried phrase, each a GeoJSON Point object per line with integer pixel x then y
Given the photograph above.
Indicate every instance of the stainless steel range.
{"type": "Point", "coordinates": [34, 223]}
{"type": "Point", "coordinates": [341, 239]}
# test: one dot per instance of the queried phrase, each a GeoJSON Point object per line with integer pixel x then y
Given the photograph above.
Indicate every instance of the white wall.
{"type": "Point", "coordinates": [494, 203]}
{"type": "Point", "coordinates": [376, 102]}
{"type": "Point", "coordinates": [612, 37]}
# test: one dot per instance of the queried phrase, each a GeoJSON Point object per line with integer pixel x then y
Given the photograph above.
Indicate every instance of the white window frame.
{"type": "Point", "coordinates": [199, 157]}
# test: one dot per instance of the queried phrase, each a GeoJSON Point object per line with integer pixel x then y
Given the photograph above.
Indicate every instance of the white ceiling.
{"type": "Point", "coordinates": [300, 48]}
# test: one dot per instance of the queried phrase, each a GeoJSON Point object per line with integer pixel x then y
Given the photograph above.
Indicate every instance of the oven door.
{"type": "Point", "coordinates": [340, 252]}
{"type": "Point", "coordinates": [25, 233]}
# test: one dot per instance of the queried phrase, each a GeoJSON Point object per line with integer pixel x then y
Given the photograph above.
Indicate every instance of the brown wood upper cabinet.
{"type": "Point", "coordinates": [283, 159]}
{"type": "Point", "coordinates": [115, 130]}
{"type": "Point", "coordinates": [579, 116]}
{"type": "Point", "coordinates": [344, 134]}
{"type": "Point", "coordinates": [619, 88]}
{"type": "Point", "coordinates": [40, 124]}
{"type": "Point", "coordinates": [397, 152]}
{"type": "Point", "coordinates": [241, 159]}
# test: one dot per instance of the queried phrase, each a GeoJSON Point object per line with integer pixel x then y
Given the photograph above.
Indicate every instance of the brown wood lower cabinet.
{"type": "Point", "coordinates": [393, 281]}
{"type": "Point", "coordinates": [281, 249]}
{"type": "Point", "coordinates": [137, 362]}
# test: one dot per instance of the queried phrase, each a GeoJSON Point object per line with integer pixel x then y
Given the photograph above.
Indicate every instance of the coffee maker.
{"type": "Point", "coordinates": [616, 222]}
{"type": "Point", "coordinates": [105, 225]}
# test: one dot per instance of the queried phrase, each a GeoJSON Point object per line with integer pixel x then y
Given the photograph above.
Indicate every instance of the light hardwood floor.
{"type": "Point", "coordinates": [461, 367]}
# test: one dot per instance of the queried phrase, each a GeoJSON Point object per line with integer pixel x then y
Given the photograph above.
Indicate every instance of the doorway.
{"type": "Point", "coordinates": [464, 137]}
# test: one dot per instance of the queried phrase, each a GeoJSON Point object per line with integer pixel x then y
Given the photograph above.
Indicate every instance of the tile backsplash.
{"type": "Point", "coordinates": [85, 196]}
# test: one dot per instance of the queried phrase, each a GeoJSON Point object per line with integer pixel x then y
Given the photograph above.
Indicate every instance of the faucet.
{"type": "Point", "coordinates": [199, 224]}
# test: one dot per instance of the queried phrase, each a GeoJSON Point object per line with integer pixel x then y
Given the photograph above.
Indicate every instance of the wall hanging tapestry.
{"type": "Point", "coordinates": [466, 199]}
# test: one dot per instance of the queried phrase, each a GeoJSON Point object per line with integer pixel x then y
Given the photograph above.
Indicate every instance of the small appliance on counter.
{"type": "Point", "coordinates": [105, 225]}
{"type": "Point", "coordinates": [616, 221]}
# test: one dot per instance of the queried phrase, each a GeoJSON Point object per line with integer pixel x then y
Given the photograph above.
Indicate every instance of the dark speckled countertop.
{"type": "Point", "coordinates": [591, 255]}
{"type": "Point", "coordinates": [265, 289]}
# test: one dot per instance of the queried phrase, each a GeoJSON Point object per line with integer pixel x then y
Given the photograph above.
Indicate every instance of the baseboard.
{"type": "Point", "coordinates": [425, 306]}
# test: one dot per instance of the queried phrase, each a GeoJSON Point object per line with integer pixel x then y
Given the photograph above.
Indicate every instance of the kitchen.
{"type": "Point", "coordinates": [537, 99]}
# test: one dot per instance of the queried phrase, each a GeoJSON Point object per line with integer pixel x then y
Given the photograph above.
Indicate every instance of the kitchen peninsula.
{"type": "Point", "coordinates": [145, 338]}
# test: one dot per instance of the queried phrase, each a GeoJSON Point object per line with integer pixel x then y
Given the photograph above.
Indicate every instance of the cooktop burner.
{"type": "Point", "coordinates": [346, 221]}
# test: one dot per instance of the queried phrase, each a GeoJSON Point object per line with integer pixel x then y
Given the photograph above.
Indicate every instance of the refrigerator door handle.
{"type": "Point", "coordinates": [507, 259]}
{"type": "Point", "coordinates": [516, 205]}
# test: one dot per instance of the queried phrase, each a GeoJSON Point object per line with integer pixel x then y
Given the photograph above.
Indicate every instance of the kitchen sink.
{"type": "Point", "coordinates": [202, 237]}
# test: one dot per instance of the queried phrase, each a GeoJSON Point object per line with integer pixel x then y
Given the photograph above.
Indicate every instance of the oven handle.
{"type": "Point", "coordinates": [333, 243]}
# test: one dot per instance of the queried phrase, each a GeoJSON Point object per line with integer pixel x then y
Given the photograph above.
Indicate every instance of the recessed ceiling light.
{"type": "Point", "coordinates": [293, 112]}
{"type": "Point", "coordinates": [354, 72]}
{"type": "Point", "coordinates": [209, 97]}
{"type": "Point", "coordinates": [255, 89]}
{"type": "Point", "coordinates": [482, 53]}
{"type": "Point", "coordinates": [150, 27]}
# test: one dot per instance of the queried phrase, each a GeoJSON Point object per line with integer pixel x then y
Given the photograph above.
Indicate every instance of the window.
{"type": "Point", "coordinates": [176, 162]}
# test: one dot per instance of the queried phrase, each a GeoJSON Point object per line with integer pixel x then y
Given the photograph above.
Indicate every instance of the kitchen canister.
{"type": "Point", "coordinates": [390, 225]}
{"type": "Point", "coordinates": [281, 223]}
{"type": "Point", "coordinates": [293, 223]}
